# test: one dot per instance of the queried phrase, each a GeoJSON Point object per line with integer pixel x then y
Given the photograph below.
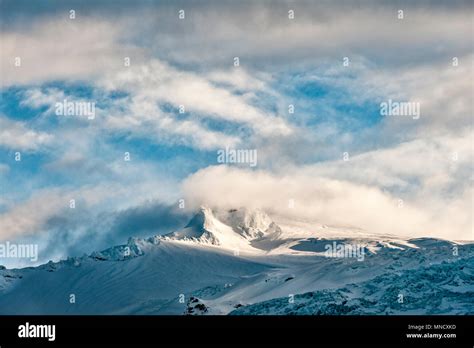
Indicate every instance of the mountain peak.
{"type": "Point", "coordinates": [233, 228]}
{"type": "Point", "coordinates": [202, 219]}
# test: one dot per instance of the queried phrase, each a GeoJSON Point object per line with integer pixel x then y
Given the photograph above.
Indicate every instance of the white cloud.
{"type": "Point", "coordinates": [444, 92]}
{"type": "Point", "coordinates": [118, 189]}
{"type": "Point", "coordinates": [158, 83]}
{"type": "Point", "coordinates": [328, 201]}
{"type": "Point", "coordinates": [31, 216]}
{"type": "Point", "coordinates": [57, 48]}
{"type": "Point", "coordinates": [166, 84]}
{"type": "Point", "coordinates": [142, 116]}
{"type": "Point", "coordinates": [17, 136]}
{"type": "Point", "coordinates": [413, 163]}
{"type": "Point", "coordinates": [36, 98]}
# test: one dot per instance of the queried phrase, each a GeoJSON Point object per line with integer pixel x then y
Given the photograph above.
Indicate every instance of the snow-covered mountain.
{"type": "Point", "coordinates": [243, 261]}
{"type": "Point", "coordinates": [234, 230]}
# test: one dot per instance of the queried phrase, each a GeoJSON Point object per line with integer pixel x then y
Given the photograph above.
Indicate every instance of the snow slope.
{"type": "Point", "coordinates": [110, 283]}
{"type": "Point", "coordinates": [443, 288]}
{"type": "Point", "coordinates": [244, 262]}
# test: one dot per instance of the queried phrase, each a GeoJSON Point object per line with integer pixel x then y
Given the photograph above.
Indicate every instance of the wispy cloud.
{"type": "Point", "coordinates": [17, 136]}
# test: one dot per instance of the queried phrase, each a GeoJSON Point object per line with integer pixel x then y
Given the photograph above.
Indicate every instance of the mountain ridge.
{"type": "Point", "coordinates": [252, 260]}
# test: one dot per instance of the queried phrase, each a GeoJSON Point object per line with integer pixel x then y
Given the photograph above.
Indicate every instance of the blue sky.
{"type": "Point", "coordinates": [190, 62]}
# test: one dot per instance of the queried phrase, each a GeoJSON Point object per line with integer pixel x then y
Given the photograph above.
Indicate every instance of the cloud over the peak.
{"type": "Point", "coordinates": [330, 201]}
